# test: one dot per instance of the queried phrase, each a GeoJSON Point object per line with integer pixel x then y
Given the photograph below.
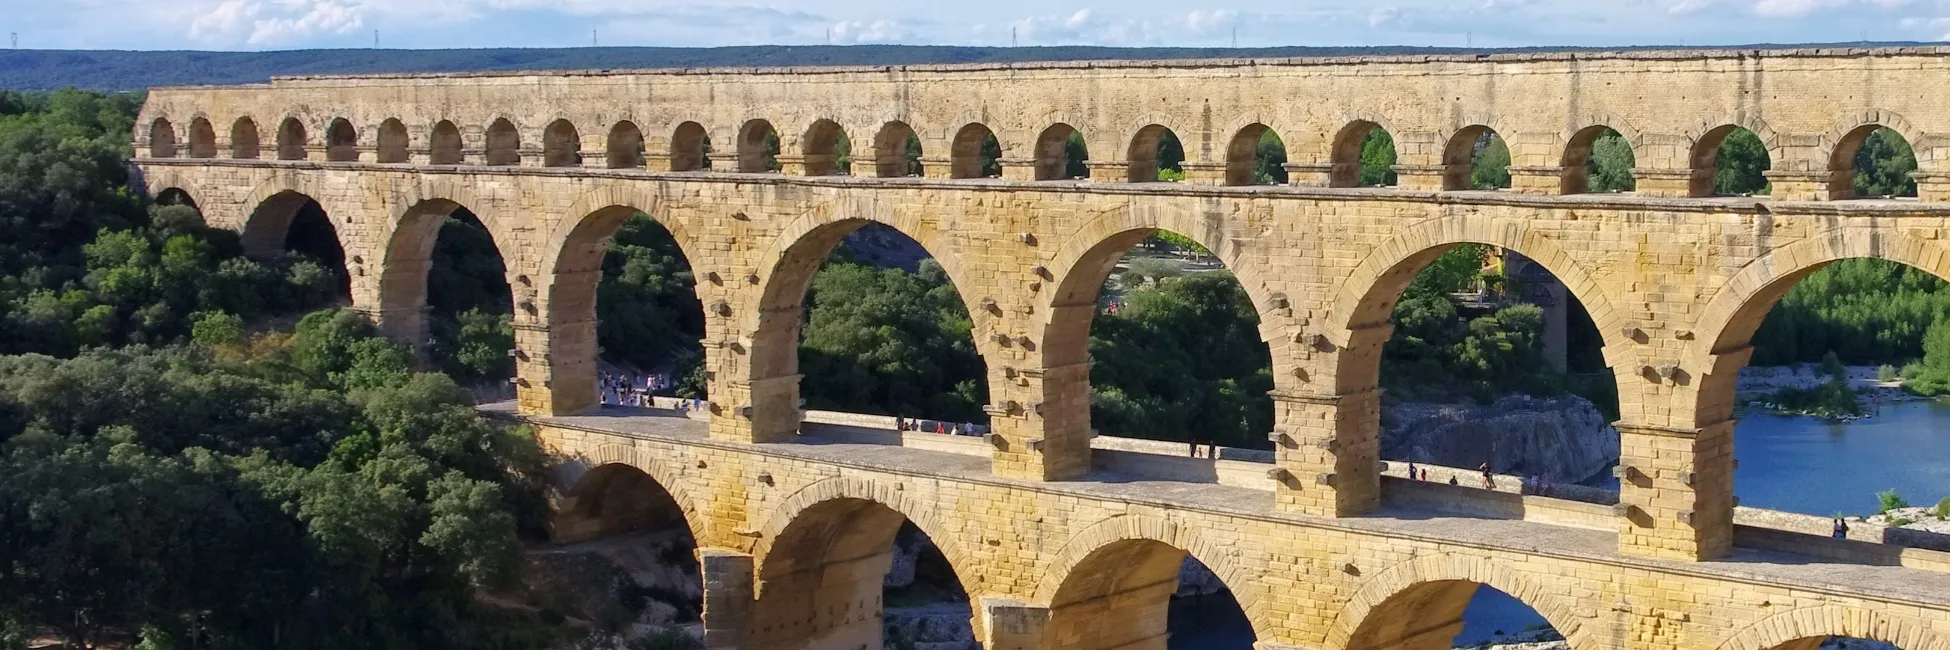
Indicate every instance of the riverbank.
{"type": "Point", "coordinates": [1806, 391]}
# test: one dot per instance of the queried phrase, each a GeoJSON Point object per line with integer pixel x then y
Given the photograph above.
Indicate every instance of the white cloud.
{"type": "Point", "coordinates": [879, 31]}
{"type": "Point", "coordinates": [1798, 8]}
{"type": "Point", "coordinates": [322, 17]}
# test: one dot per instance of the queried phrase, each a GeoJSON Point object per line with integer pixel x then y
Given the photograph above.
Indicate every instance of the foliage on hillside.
{"type": "Point", "coordinates": [86, 261]}
{"type": "Point", "coordinates": [292, 491]}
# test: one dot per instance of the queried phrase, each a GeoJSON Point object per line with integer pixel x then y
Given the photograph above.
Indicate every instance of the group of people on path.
{"type": "Point", "coordinates": [944, 428]}
{"type": "Point", "coordinates": [1529, 484]}
{"type": "Point", "coordinates": [638, 389]}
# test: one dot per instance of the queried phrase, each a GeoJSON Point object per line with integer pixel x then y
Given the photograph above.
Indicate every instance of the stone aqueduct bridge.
{"type": "Point", "coordinates": [1058, 555]}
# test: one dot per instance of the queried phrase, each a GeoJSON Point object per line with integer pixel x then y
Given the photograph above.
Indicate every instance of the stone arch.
{"type": "Point", "coordinates": [341, 141]}
{"type": "Point", "coordinates": [754, 156]}
{"type": "Point", "coordinates": [1575, 175]}
{"type": "Point", "coordinates": [820, 147]}
{"type": "Point", "coordinates": [1367, 296]}
{"type": "Point", "coordinates": [273, 204]}
{"type": "Point", "coordinates": [503, 144]}
{"type": "Point", "coordinates": [561, 145]}
{"type": "Point", "coordinates": [1840, 144]}
{"type": "Point", "coordinates": [890, 150]}
{"type": "Point", "coordinates": [1052, 152]}
{"type": "Point", "coordinates": [1703, 148]}
{"type": "Point", "coordinates": [1141, 160]}
{"type": "Point", "coordinates": [625, 146]}
{"type": "Point", "coordinates": [1344, 153]}
{"type": "Point", "coordinates": [392, 146]}
{"type": "Point", "coordinates": [1242, 153]}
{"type": "Point", "coordinates": [1458, 152]}
{"type": "Point", "coordinates": [203, 138]}
{"type": "Point", "coordinates": [966, 150]}
{"type": "Point", "coordinates": [571, 475]}
{"type": "Point", "coordinates": [785, 271]}
{"type": "Point", "coordinates": [1725, 328]}
{"type": "Point", "coordinates": [1140, 549]}
{"type": "Point", "coordinates": [244, 139]}
{"type": "Point", "coordinates": [444, 145]}
{"type": "Point", "coordinates": [162, 139]}
{"type": "Point", "coordinates": [162, 180]}
{"type": "Point", "coordinates": [291, 139]}
{"type": "Point", "coordinates": [1783, 630]}
{"type": "Point", "coordinates": [1088, 255]}
{"type": "Point", "coordinates": [1442, 583]}
{"type": "Point", "coordinates": [407, 251]}
{"type": "Point", "coordinates": [793, 556]}
{"type": "Point", "coordinates": [687, 144]}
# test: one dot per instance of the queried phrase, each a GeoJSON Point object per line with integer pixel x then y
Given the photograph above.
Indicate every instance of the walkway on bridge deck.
{"type": "Point", "coordinates": [1770, 567]}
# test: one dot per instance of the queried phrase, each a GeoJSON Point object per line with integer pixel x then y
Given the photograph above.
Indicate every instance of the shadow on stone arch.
{"type": "Point", "coordinates": [291, 223]}
{"type": "Point", "coordinates": [1141, 593]}
{"type": "Point", "coordinates": [1445, 614]}
{"type": "Point", "coordinates": [855, 573]}
{"type": "Point", "coordinates": [624, 274]}
{"type": "Point", "coordinates": [623, 556]}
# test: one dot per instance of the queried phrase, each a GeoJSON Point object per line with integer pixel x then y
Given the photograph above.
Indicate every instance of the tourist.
{"type": "Point", "coordinates": [954, 430]}
{"type": "Point", "coordinates": [1489, 480]}
{"type": "Point", "coordinates": [1452, 480]}
{"type": "Point", "coordinates": [940, 428]}
{"type": "Point", "coordinates": [1425, 474]}
{"type": "Point", "coordinates": [1411, 471]}
{"type": "Point", "coordinates": [899, 424]}
{"type": "Point", "coordinates": [1841, 528]}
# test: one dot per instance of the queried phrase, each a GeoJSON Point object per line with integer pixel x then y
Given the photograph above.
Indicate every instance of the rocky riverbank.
{"type": "Point", "coordinates": [1563, 439]}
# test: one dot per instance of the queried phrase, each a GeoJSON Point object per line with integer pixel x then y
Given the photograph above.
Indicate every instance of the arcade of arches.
{"type": "Point", "coordinates": [1674, 281]}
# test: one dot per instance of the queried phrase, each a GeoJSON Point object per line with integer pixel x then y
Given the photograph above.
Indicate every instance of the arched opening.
{"type": "Point", "coordinates": [561, 145]}
{"type": "Point", "coordinates": [874, 324]}
{"type": "Point", "coordinates": [625, 148]}
{"type": "Point", "coordinates": [690, 148]}
{"type": "Point", "coordinates": [342, 142]}
{"type": "Point", "coordinates": [1598, 160]}
{"type": "Point", "coordinates": [1839, 349]}
{"type": "Point", "coordinates": [177, 196]}
{"type": "Point", "coordinates": [392, 141]}
{"type": "Point", "coordinates": [758, 147]}
{"type": "Point", "coordinates": [1874, 162]}
{"type": "Point", "coordinates": [444, 147]}
{"type": "Point", "coordinates": [469, 305]}
{"type": "Point", "coordinates": [1171, 340]}
{"type": "Point", "coordinates": [1479, 336]}
{"type": "Point", "coordinates": [1476, 159]}
{"type": "Point", "coordinates": [828, 152]}
{"type": "Point", "coordinates": [503, 144]}
{"type": "Point", "coordinates": [1444, 614]}
{"type": "Point", "coordinates": [897, 151]}
{"type": "Point", "coordinates": [1139, 593]}
{"type": "Point", "coordinates": [1155, 154]}
{"type": "Point", "coordinates": [162, 139]}
{"type": "Point", "coordinates": [622, 274]}
{"type": "Point", "coordinates": [1061, 154]}
{"type": "Point", "coordinates": [604, 528]}
{"type": "Point", "coordinates": [1363, 156]}
{"type": "Point", "coordinates": [203, 139]}
{"type": "Point", "coordinates": [243, 139]}
{"type": "Point", "coordinates": [1730, 161]}
{"type": "Point", "coordinates": [294, 231]}
{"type": "Point", "coordinates": [828, 582]}
{"type": "Point", "coordinates": [1256, 156]}
{"type": "Point", "coordinates": [976, 153]}
{"type": "Point", "coordinates": [291, 140]}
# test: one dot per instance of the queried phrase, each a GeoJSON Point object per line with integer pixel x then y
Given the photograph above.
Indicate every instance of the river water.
{"type": "Point", "coordinates": [1797, 464]}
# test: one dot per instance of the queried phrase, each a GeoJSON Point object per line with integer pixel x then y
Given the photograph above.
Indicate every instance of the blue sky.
{"type": "Point", "coordinates": [295, 24]}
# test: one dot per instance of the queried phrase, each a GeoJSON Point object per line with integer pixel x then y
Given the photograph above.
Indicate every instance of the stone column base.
{"type": "Point", "coordinates": [1428, 178]}
{"type": "Point", "coordinates": [1315, 174]}
{"type": "Point", "coordinates": [1541, 179]}
{"type": "Point", "coordinates": [1109, 172]}
{"type": "Point", "coordinates": [1204, 173]}
{"type": "Point", "coordinates": [728, 598]}
{"type": "Point", "coordinates": [1012, 625]}
{"type": "Point", "coordinates": [937, 167]}
{"type": "Point", "coordinates": [1675, 491]}
{"type": "Point", "coordinates": [1018, 169]}
{"type": "Point", "coordinates": [1810, 186]}
{"type": "Point", "coordinates": [1672, 183]}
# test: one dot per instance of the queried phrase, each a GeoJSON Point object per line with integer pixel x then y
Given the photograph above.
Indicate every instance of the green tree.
{"type": "Point", "coordinates": [1741, 164]}
{"type": "Point", "coordinates": [1883, 165]}
{"type": "Point", "coordinates": [1489, 163]}
{"type": "Point", "coordinates": [1378, 158]}
{"type": "Point", "coordinates": [1611, 164]}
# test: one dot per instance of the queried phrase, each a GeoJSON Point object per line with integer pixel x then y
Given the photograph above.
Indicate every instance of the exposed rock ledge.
{"type": "Point", "coordinates": [1563, 439]}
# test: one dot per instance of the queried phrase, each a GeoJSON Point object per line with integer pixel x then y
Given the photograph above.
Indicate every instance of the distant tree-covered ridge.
{"type": "Point", "coordinates": [129, 70]}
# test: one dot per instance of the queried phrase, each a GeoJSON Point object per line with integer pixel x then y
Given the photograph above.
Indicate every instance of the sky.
{"type": "Point", "coordinates": [303, 24]}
